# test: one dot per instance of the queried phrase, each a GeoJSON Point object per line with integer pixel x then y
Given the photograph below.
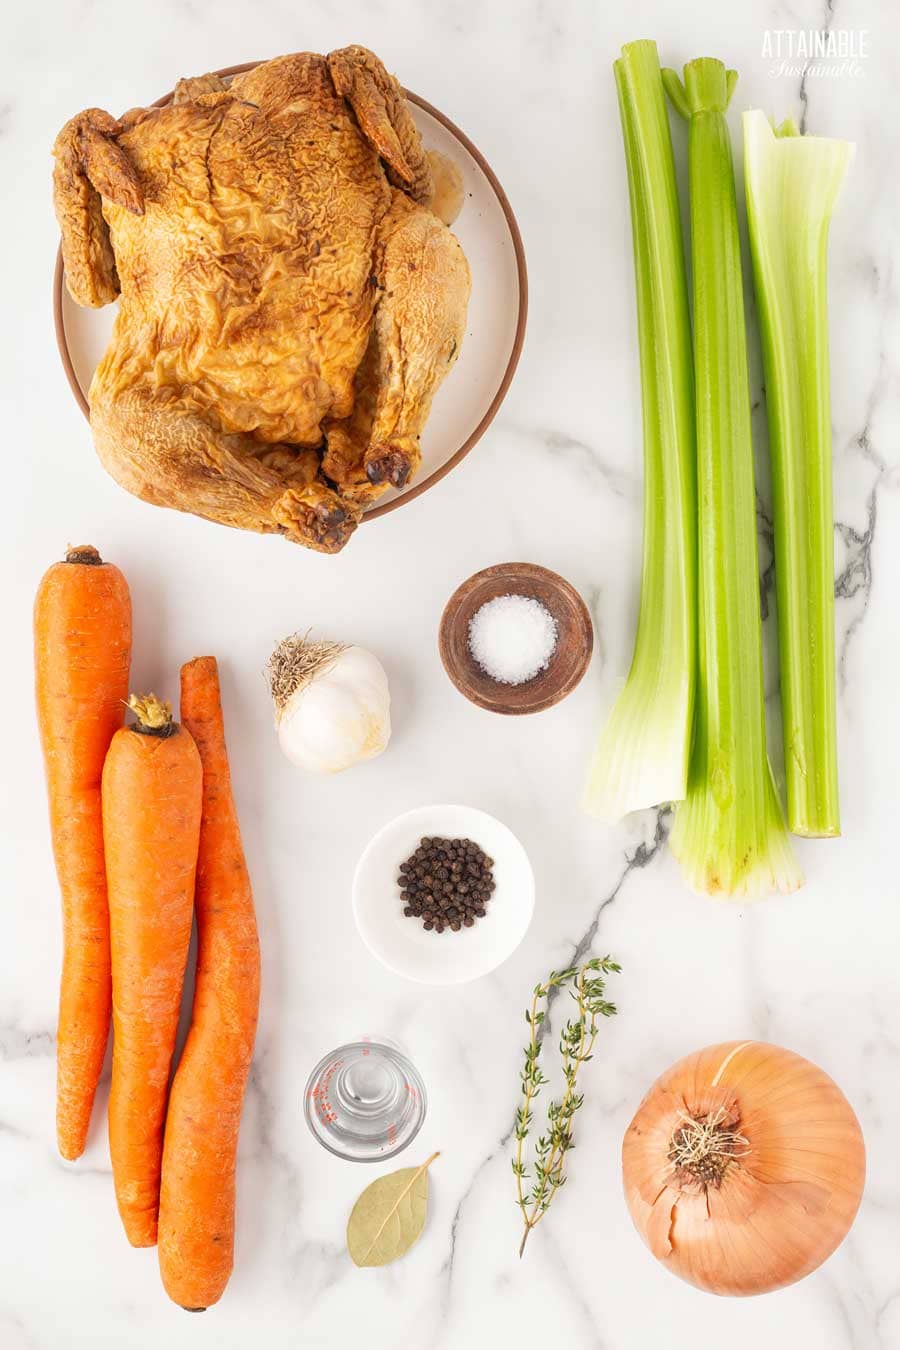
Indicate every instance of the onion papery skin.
{"type": "Point", "coordinates": [783, 1206]}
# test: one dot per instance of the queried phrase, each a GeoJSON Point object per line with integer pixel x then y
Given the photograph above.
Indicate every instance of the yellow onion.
{"type": "Point", "coordinates": [743, 1168]}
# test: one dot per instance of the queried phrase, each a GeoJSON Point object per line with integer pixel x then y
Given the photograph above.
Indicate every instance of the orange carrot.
{"type": "Point", "coordinates": [196, 1209]}
{"type": "Point", "coordinates": [152, 796]}
{"type": "Point", "coordinates": [82, 651]}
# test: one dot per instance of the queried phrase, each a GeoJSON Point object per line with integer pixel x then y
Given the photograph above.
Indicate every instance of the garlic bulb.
{"type": "Point", "coordinates": [743, 1168]}
{"type": "Point", "coordinates": [332, 703]}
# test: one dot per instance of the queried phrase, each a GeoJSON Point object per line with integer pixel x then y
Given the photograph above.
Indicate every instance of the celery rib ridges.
{"type": "Point", "coordinates": [792, 183]}
{"type": "Point", "coordinates": [729, 834]}
{"type": "Point", "coordinates": [642, 755]}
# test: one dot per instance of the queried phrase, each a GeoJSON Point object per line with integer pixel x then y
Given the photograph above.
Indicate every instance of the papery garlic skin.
{"type": "Point", "coordinates": [341, 717]}
{"type": "Point", "coordinates": [789, 1181]}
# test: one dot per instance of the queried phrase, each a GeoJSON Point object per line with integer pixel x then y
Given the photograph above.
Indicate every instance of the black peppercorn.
{"type": "Point", "coordinates": [446, 883]}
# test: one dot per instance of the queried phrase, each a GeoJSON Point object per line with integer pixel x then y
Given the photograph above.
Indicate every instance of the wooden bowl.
{"type": "Point", "coordinates": [502, 329]}
{"type": "Point", "coordinates": [568, 663]}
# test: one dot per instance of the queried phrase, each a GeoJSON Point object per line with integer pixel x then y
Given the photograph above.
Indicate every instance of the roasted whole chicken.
{"type": "Point", "coordinates": [288, 300]}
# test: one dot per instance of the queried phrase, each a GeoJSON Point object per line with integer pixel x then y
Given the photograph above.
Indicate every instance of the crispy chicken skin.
{"type": "Point", "coordinates": [414, 338]}
{"type": "Point", "coordinates": [288, 301]}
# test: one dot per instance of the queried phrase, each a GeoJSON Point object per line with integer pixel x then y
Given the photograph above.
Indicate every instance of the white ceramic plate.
{"type": "Point", "coordinates": [402, 943]}
{"type": "Point", "coordinates": [467, 401]}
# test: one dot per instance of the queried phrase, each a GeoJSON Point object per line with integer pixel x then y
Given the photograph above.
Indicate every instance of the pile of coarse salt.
{"type": "Point", "coordinates": [512, 637]}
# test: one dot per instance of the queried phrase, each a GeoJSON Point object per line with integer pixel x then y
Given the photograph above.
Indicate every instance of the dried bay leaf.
{"type": "Point", "coordinates": [389, 1216]}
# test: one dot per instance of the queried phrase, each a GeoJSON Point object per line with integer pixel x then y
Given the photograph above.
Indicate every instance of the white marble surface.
{"type": "Point", "coordinates": [557, 481]}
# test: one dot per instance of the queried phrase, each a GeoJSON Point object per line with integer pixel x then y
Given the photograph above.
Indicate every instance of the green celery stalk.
{"type": "Point", "coordinates": [729, 833]}
{"type": "Point", "coordinates": [792, 184]}
{"type": "Point", "coordinates": [642, 754]}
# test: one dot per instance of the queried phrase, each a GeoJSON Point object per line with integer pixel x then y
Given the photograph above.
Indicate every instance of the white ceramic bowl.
{"type": "Point", "coordinates": [401, 943]}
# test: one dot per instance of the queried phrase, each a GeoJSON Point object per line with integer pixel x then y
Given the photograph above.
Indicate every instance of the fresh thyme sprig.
{"type": "Point", "coordinates": [587, 987]}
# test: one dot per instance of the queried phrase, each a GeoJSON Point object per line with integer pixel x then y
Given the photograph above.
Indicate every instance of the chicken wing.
{"type": "Point", "coordinates": [88, 165]}
{"type": "Point", "coordinates": [384, 117]}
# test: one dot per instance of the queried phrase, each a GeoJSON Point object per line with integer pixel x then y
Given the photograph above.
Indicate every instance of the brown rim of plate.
{"type": "Point", "coordinates": [458, 455]}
